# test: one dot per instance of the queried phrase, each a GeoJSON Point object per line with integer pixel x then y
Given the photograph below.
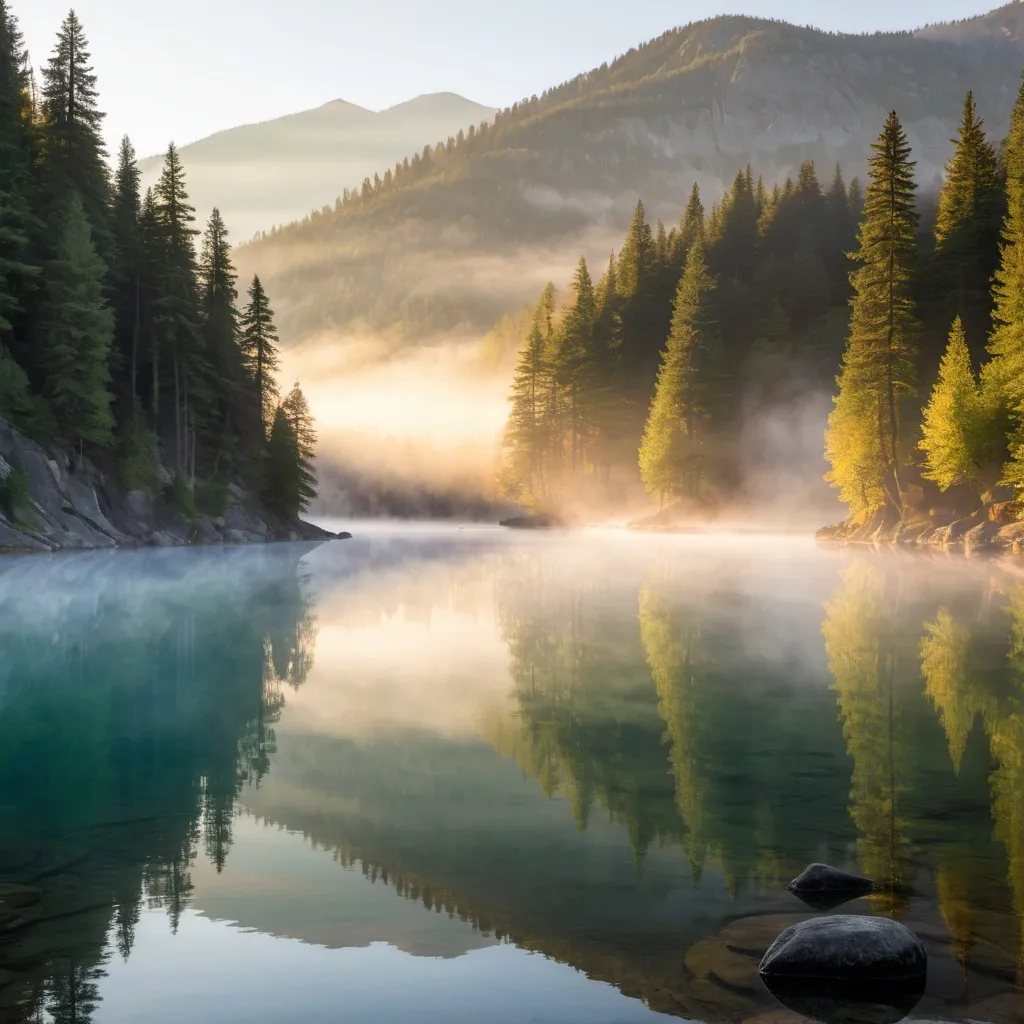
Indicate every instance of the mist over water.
{"type": "Point", "coordinates": [397, 767]}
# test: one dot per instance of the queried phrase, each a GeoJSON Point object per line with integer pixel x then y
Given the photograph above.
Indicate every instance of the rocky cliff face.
{"type": "Point", "coordinates": [52, 500]}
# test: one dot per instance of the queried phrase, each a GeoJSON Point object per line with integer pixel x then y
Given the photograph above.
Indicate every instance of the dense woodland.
{"type": "Point", "coordinates": [115, 335]}
{"type": "Point", "coordinates": [690, 332]}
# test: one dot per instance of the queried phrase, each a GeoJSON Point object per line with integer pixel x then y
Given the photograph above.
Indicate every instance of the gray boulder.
{"type": "Point", "coordinates": [823, 887]}
{"type": "Point", "coordinates": [846, 947]}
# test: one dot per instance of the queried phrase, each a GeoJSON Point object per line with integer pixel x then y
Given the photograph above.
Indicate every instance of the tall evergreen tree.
{"type": "Point", "coordinates": [228, 383]}
{"type": "Point", "coordinates": [863, 441]}
{"type": "Point", "coordinates": [176, 313]}
{"type": "Point", "coordinates": [282, 489]}
{"type": "Point", "coordinates": [126, 269]}
{"type": "Point", "coordinates": [691, 226]}
{"type": "Point", "coordinates": [76, 329]}
{"type": "Point", "coordinates": [301, 419]}
{"type": "Point", "coordinates": [952, 418]}
{"type": "Point", "coordinates": [527, 432]}
{"type": "Point", "coordinates": [1003, 375]}
{"type": "Point", "coordinates": [259, 350]}
{"type": "Point", "coordinates": [576, 361]}
{"type": "Point", "coordinates": [17, 271]}
{"type": "Point", "coordinates": [73, 152]}
{"type": "Point", "coordinates": [675, 444]}
{"type": "Point", "coordinates": [967, 230]}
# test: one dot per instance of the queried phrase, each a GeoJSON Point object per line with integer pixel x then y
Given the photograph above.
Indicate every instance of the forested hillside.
{"type": "Point", "coordinates": [277, 171]}
{"type": "Point", "coordinates": [449, 239]}
{"type": "Point", "coordinates": [673, 364]}
{"type": "Point", "coordinates": [115, 336]}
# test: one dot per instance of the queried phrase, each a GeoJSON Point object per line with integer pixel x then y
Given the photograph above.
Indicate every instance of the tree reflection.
{"type": "Point", "coordinates": [867, 654]}
{"type": "Point", "coordinates": [135, 712]}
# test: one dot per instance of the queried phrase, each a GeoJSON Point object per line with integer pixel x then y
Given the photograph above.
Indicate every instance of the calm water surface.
{"type": "Point", "coordinates": [442, 775]}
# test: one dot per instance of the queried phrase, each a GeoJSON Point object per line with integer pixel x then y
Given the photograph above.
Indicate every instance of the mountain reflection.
{"type": "Point", "coordinates": [613, 757]}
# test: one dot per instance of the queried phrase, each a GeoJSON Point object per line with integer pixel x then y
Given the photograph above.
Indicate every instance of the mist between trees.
{"type": "Point", "coordinates": [670, 374]}
{"type": "Point", "coordinates": [114, 335]}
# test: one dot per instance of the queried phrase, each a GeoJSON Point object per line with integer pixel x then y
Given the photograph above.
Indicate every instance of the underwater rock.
{"type": "Point", "coordinates": [823, 887]}
{"type": "Point", "coordinates": [848, 1002]}
{"type": "Point", "coordinates": [846, 948]}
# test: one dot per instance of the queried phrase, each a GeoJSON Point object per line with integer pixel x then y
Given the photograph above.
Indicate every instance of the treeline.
{"type": "Point", "coordinates": [691, 332]}
{"type": "Point", "coordinates": [687, 329]}
{"type": "Point", "coordinates": [114, 334]}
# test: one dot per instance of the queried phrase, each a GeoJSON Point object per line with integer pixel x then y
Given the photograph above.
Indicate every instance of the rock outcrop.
{"type": "Point", "coordinates": [54, 500]}
{"type": "Point", "coordinates": [990, 530]}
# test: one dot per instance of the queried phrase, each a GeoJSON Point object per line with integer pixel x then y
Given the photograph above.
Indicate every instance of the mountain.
{"type": "Point", "coordinates": [276, 171]}
{"type": "Point", "coordinates": [449, 244]}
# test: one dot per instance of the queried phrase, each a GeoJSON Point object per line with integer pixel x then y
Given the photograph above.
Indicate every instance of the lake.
{"type": "Point", "coordinates": [456, 775]}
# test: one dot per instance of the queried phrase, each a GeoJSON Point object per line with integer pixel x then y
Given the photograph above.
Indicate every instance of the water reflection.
{"type": "Point", "coordinates": [609, 752]}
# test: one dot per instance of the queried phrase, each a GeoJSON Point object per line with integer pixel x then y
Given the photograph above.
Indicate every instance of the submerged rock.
{"type": "Point", "coordinates": [823, 887]}
{"type": "Point", "coordinates": [846, 948]}
{"type": "Point", "coordinates": [848, 1002]}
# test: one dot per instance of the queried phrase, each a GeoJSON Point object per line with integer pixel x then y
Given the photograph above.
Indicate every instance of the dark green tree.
{"type": "Point", "coordinates": [126, 272]}
{"type": "Point", "coordinates": [967, 231]}
{"type": "Point", "coordinates": [259, 350]}
{"type": "Point", "coordinates": [175, 313]}
{"type": "Point", "coordinates": [73, 153]}
{"type": "Point", "coordinates": [17, 271]}
{"type": "Point", "coordinates": [76, 331]}
{"type": "Point", "coordinates": [301, 419]}
{"type": "Point", "coordinates": [677, 440]}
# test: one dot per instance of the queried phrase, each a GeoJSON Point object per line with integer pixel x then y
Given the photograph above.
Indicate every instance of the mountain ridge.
{"type": "Point", "coordinates": [562, 171]}
{"type": "Point", "coordinates": [275, 171]}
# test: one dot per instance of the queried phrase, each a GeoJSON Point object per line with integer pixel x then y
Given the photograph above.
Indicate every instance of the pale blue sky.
{"type": "Point", "coordinates": [219, 63]}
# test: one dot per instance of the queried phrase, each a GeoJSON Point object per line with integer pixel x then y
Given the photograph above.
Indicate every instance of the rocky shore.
{"type": "Point", "coordinates": [53, 500]}
{"type": "Point", "coordinates": [994, 529]}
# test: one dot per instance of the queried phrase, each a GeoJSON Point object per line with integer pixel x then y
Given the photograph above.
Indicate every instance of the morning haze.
{"type": "Point", "coordinates": [216, 65]}
{"type": "Point", "coordinates": [417, 601]}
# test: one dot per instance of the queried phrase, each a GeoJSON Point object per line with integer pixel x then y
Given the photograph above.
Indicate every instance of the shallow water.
{"type": "Point", "coordinates": [442, 775]}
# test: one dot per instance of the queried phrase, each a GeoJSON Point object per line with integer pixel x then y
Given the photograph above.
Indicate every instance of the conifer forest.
{"type": "Point", "coordinates": [122, 328]}
{"type": "Point", "coordinates": [911, 309]}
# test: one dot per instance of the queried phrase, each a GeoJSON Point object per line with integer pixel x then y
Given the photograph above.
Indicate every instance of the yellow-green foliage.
{"type": "Point", "coordinates": [951, 431]}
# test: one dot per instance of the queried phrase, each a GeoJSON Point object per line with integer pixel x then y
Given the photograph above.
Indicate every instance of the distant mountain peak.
{"type": "Point", "coordinates": [340, 105]}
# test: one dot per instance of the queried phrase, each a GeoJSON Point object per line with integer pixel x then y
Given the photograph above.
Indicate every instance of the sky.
{"type": "Point", "coordinates": [214, 64]}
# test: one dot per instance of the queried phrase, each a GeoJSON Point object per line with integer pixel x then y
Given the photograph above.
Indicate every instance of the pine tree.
{"type": "Point", "coordinates": [259, 350]}
{"type": "Point", "coordinates": [575, 360]}
{"type": "Point", "coordinates": [527, 433]}
{"type": "Point", "coordinates": [863, 438]}
{"type": "Point", "coordinates": [841, 237]}
{"type": "Point", "coordinates": [675, 444]}
{"type": "Point", "coordinates": [228, 384]}
{"type": "Point", "coordinates": [17, 272]}
{"type": "Point", "coordinates": [1003, 375]}
{"type": "Point", "coordinates": [176, 314]}
{"type": "Point", "coordinates": [73, 153]}
{"type": "Point", "coordinates": [637, 256]}
{"type": "Point", "coordinates": [297, 410]}
{"type": "Point", "coordinates": [691, 226]}
{"type": "Point", "coordinates": [76, 328]}
{"type": "Point", "coordinates": [125, 270]}
{"type": "Point", "coordinates": [952, 418]}
{"type": "Point", "coordinates": [967, 230]}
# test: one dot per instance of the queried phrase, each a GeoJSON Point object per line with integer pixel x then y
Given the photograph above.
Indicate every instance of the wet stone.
{"type": "Point", "coordinates": [823, 887]}
{"type": "Point", "coordinates": [846, 947]}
